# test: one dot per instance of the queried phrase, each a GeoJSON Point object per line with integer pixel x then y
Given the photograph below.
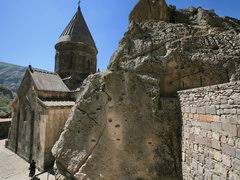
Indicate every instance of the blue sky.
{"type": "Point", "coordinates": [29, 29]}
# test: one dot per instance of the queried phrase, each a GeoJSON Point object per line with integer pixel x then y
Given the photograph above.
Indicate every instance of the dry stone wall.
{"type": "Point", "coordinates": [211, 132]}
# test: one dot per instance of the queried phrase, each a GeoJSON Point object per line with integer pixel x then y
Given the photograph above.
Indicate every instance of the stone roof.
{"type": "Point", "coordinates": [57, 103]}
{"type": "Point", "coordinates": [5, 119]}
{"type": "Point", "coordinates": [47, 81]}
{"type": "Point", "coordinates": [77, 31]}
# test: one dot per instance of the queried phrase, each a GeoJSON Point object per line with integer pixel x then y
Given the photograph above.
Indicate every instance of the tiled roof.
{"type": "Point", "coordinates": [47, 81]}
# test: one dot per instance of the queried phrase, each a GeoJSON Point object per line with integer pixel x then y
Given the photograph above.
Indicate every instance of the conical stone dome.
{"type": "Point", "coordinates": [76, 52]}
{"type": "Point", "coordinates": [77, 31]}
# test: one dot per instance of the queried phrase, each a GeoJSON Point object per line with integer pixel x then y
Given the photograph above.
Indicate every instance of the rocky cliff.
{"type": "Point", "coordinates": [126, 122]}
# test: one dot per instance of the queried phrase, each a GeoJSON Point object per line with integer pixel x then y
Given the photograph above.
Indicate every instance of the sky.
{"type": "Point", "coordinates": [29, 29]}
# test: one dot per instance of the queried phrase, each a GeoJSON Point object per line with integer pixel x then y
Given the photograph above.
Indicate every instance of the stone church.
{"type": "Point", "coordinates": [45, 98]}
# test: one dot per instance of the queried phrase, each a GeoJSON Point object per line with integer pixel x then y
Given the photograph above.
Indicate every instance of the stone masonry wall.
{"type": "Point", "coordinates": [211, 132]}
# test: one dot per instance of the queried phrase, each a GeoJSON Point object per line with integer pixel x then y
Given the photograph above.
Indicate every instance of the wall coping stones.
{"type": "Point", "coordinates": [218, 87]}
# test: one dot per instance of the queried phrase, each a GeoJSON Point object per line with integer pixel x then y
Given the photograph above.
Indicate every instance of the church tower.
{"type": "Point", "coordinates": [75, 52]}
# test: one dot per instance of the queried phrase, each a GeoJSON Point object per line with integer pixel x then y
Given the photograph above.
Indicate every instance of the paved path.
{"type": "Point", "coordinates": [13, 167]}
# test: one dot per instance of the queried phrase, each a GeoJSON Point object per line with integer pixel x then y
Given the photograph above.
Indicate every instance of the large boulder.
{"type": "Point", "coordinates": [126, 123]}
{"type": "Point", "coordinates": [120, 129]}
{"type": "Point", "coordinates": [146, 10]}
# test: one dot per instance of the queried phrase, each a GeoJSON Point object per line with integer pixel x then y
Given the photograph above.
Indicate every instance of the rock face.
{"type": "Point", "coordinates": [126, 122]}
{"type": "Point", "coordinates": [150, 10]}
{"type": "Point", "coordinates": [119, 130]}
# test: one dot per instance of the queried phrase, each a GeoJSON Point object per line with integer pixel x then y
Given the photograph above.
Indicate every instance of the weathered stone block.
{"type": "Point", "coordinates": [211, 110]}
{"type": "Point", "coordinates": [195, 147]}
{"type": "Point", "coordinates": [216, 126]}
{"type": "Point", "coordinates": [191, 137]}
{"type": "Point", "coordinates": [238, 153]}
{"type": "Point", "coordinates": [182, 108]}
{"type": "Point", "coordinates": [200, 149]}
{"type": "Point", "coordinates": [205, 125]}
{"type": "Point", "coordinates": [208, 142]}
{"type": "Point", "coordinates": [220, 170]}
{"type": "Point", "coordinates": [231, 141]}
{"type": "Point", "coordinates": [202, 117]}
{"type": "Point", "coordinates": [238, 111]}
{"type": "Point", "coordinates": [228, 111]}
{"type": "Point", "coordinates": [216, 136]}
{"type": "Point", "coordinates": [195, 116]}
{"type": "Point", "coordinates": [210, 163]}
{"type": "Point", "coordinates": [237, 101]}
{"type": "Point", "coordinates": [237, 143]}
{"type": "Point", "coordinates": [233, 111]}
{"type": "Point", "coordinates": [225, 106]}
{"type": "Point", "coordinates": [224, 101]}
{"type": "Point", "coordinates": [238, 130]}
{"type": "Point", "coordinates": [193, 110]}
{"type": "Point", "coordinates": [223, 119]}
{"type": "Point", "coordinates": [209, 117]}
{"type": "Point", "coordinates": [216, 177]}
{"type": "Point", "coordinates": [204, 133]}
{"type": "Point", "coordinates": [201, 158]}
{"type": "Point", "coordinates": [201, 110]}
{"type": "Point", "coordinates": [200, 170]}
{"type": "Point", "coordinates": [233, 119]}
{"type": "Point", "coordinates": [236, 164]}
{"type": "Point", "coordinates": [216, 144]}
{"type": "Point", "coordinates": [233, 175]}
{"type": "Point", "coordinates": [204, 141]}
{"type": "Point", "coordinates": [194, 164]}
{"type": "Point", "coordinates": [217, 155]}
{"type": "Point", "coordinates": [190, 116]}
{"type": "Point", "coordinates": [197, 130]}
{"type": "Point", "coordinates": [207, 173]}
{"type": "Point", "coordinates": [186, 135]}
{"type": "Point", "coordinates": [230, 128]}
{"type": "Point", "coordinates": [185, 115]}
{"type": "Point", "coordinates": [195, 156]}
{"type": "Point", "coordinates": [216, 118]}
{"type": "Point", "coordinates": [230, 102]}
{"type": "Point", "coordinates": [187, 109]}
{"type": "Point", "coordinates": [223, 139]}
{"type": "Point", "coordinates": [199, 140]}
{"type": "Point", "coordinates": [183, 156]}
{"type": "Point", "coordinates": [226, 160]}
{"type": "Point", "coordinates": [228, 150]}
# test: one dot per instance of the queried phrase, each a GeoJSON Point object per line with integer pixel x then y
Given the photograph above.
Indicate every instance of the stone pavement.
{"type": "Point", "coordinates": [13, 167]}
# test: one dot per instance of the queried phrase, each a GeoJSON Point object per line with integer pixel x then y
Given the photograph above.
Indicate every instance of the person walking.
{"type": "Point", "coordinates": [32, 168]}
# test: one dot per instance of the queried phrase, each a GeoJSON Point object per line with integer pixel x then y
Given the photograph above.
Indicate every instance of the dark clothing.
{"type": "Point", "coordinates": [31, 173]}
{"type": "Point", "coordinates": [32, 169]}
